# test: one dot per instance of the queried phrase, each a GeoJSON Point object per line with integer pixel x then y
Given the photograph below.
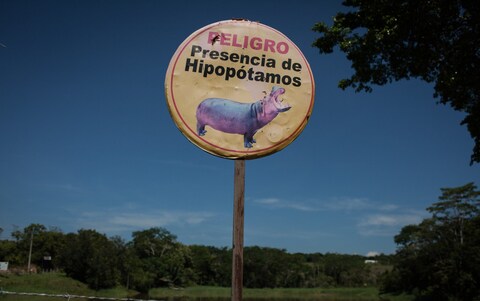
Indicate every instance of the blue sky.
{"type": "Point", "coordinates": [87, 140]}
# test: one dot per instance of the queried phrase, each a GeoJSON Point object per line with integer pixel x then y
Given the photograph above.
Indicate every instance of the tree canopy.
{"type": "Point", "coordinates": [436, 41]}
{"type": "Point", "coordinates": [154, 258]}
{"type": "Point", "coordinates": [439, 259]}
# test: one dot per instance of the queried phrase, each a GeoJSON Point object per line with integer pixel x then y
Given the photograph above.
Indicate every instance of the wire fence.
{"type": "Point", "coordinates": [68, 296]}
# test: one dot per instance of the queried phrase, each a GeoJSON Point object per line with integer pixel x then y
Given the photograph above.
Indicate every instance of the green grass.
{"type": "Point", "coordinates": [58, 283]}
{"type": "Point", "coordinates": [317, 294]}
{"type": "Point", "coordinates": [401, 297]}
{"type": "Point", "coordinates": [49, 283]}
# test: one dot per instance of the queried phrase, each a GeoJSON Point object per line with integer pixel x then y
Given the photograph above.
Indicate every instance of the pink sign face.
{"type": "Point", "coordinates": [239, 89]}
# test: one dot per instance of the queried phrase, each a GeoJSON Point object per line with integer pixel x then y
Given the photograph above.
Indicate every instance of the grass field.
{"type": "Point", "coordinates": [58, 283]}
{"type": "Point", "coordinates": [55, 283]}
{"type": "Point", "coordinates": [268, 294]}
{"type": "Point", "coordinates": [297, 294]}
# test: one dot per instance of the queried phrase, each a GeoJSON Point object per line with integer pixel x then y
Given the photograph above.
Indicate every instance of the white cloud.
{"type": "Point", "coordinates": [386, 224]}
{"type": "Point", "coordinates": [390, 219]}
{"type": "Point", "coordinates": [268, 201]}
{"type": "Point", "coordinates": [333, 204]}
{"type": "Point", "coordinates": [117, 221]}
{"type": "Point", "coordinates": [373, 218]}
{"type": "Point", "coordinates": [388, 207]}
{"type": "Point", "coordinates": [278, 203]}
{"type": "Point", "coordinates": [372, 254]}
{"type": "Point", "coordinates": [348, 204]}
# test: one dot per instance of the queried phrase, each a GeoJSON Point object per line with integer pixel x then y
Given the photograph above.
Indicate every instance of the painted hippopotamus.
{"type": "Point", "coordinates": [235, 117]}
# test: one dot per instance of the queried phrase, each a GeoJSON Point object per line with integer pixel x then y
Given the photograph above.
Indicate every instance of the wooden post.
{"type": "Point", "coordinates": [238, 218]}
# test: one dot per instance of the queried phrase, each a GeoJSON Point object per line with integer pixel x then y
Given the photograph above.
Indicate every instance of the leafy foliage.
{"type": "Point", "coordinates": [90, 257]}
{"type": "Point", "coordinates": [436, 41]}
{"type": "Point", "coordinates": [154, 258]}
{"type": "Point", "coordinates": [162, 260]}
{"type": "Point", "coordinates": [211, 265]}
{"type": "Point", "coordinates": [439, 259]}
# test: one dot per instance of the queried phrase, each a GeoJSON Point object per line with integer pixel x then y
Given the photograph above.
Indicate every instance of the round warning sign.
{"type": "Point", "coordinates": [239, 89]}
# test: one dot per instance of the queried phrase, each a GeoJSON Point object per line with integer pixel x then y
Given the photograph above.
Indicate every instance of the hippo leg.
{"type": "Point", "coordinates": [201, 129]}
{"type": "Point", "coordinates": [252, 140]}
{"type": "Point", "coordinates": [248, 140]}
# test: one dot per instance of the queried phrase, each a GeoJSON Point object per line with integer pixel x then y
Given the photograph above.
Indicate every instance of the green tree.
{"type": "Point", "coordinates": [7, 249]}
{"type": "Point", "coordinates": [457, 206]}
{"type": "Point", "coordinates": [27, 240]}
{"type": "Point", "coordinates": [90, 257]}
{"type": "Point", "coordinates": [134, 274]}
{"type": "Point", "coordinates": [48, 244]}
{"type": "Point", "coordinates": [164, 261]}
{"type": "Point", "coordinates": [124, 263]}
{"type": "Point", "coordinates": [439, 259]}
{"type": "Point", "coordinates": [346, 270]}
{"type": "Point", "coordinates": [264, 267]}
{"type": "Point", "coordinates": [211, 265]}
{"type": "Point", "coordinates": [435, 41]}
{"type": "Point", "coordinates": [203, 261]}
{"type": "Point", "coordinates": [317, 276]}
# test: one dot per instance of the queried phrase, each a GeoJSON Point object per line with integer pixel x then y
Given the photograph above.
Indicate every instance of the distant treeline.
{"type": "Point", "coordinates": [154, 258]}
{"type": "Point", "coordinates": [437, 259]}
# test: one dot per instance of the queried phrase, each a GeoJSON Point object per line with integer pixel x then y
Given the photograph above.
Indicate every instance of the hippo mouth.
{"type": "Point", "coordinates": [278, 103]}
